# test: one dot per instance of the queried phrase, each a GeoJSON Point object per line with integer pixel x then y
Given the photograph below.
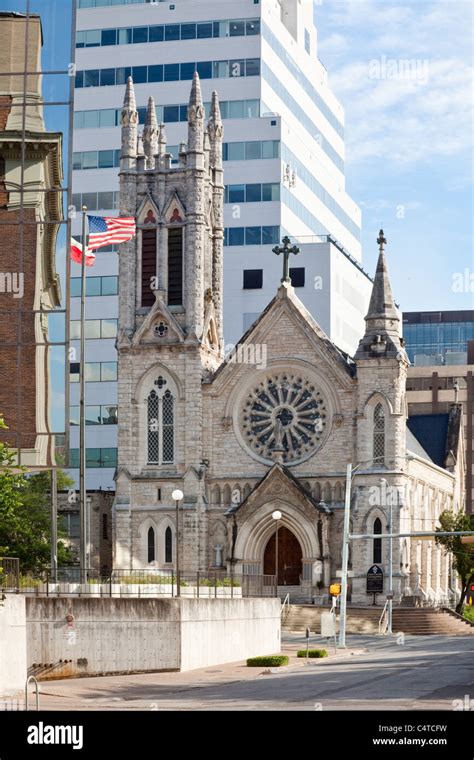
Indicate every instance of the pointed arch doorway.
{"type": "Point", "coordinates": [290, 558]}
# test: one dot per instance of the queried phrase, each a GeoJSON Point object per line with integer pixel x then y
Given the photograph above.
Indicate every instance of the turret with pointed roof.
{"type": "Point", "coordinates": [382, 323]}
{"type": "Point", "coordinates": [382, 365]}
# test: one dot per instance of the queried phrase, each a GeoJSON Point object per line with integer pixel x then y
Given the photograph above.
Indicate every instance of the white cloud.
{"type": "Point", "coordinates": [415, 117]}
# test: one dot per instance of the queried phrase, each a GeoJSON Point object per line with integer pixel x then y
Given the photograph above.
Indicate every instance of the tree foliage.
{"type": "Point", "coordinates": [463, 554]}
{"type": "Point", "coordinates": [25, 521]}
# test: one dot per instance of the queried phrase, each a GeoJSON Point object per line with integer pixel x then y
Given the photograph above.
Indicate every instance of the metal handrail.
{"type": "Point", "coordinates": [383, 621]}
{"type": "Point", "coordinates": [285, 604]}
{"type": "Point", "coordinates": [31, 678]}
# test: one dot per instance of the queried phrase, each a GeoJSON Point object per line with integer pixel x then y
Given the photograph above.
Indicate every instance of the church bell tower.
{"type": "Point", "coordinates": [170, 335]}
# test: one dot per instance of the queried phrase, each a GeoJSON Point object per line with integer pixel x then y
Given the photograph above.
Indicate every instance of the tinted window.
{"type": "Point", "coordinates": [236, 235]}
{"type": "Point", "coordinates": [91, 78]}
{"type": "Point", "coordinates": [107, 77]}
{"type": "Point", "coordinates": [171, 72]}
{"type": "Point", "coordinates": [140, 34]}
{"type": "Point", "coordinates": [252, 67]}
{"type": "Point", "coordinates": [237, 28]}
{"type": "Point", "coordinates": [204, 30]}
{"type": "Point", "coordinates": [109, 286]}
{"type": "Point", "coordinates": [170, 113]}
{"type": "Point", "coordinates": [204, 69]}
{"type": "Point", "coordinates": [172, 32]}
{"type": "Point", "coordinates": [253, 150]}
{"type": "Point", "coordinates": [270, 235]}
{"type": "Point", "coordinates": [253, 193]}
{"type": "Point", "coordinates": [139, 74]}
{"type": "Point", "coordinates": [253, 278]}
{"type": "Point", "coordinates": [252, 26]}
{"type": "Point", "coordinates": [188, 31]}
{"type": "Point", "coordinates": [253, 235]}
{"type": "Point", "coordinates": [236, 193]}
{"type": "Point", "coordinates": [156, 33]}
{"type": "Point", "coordinates": [155, 73]}
{"type": "Point", "coordinates": [109, 36]}
{"type": "Point", "coordinates": [106, 159]}
{"type": "Point", "coordinates": [187, 70]}
{"type": "Point", "coordinates": [297, 277]}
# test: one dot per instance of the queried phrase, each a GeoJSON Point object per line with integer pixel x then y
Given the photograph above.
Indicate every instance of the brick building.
{"type": "Point", "coordinates": [270, 427]}
{"type": "Point", "coordinates": [30, 214]}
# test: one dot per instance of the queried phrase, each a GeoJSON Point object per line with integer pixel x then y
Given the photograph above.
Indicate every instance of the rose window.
{"type": "Point", "coordinates": [284, 413]}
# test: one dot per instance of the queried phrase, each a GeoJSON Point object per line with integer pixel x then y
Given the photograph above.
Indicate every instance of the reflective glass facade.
{"type": "Point", "coordinates": [36, 36]}
{"type": "Point", "coordinates": [437, 333]}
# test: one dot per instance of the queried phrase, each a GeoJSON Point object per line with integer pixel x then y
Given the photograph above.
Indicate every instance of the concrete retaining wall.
{"type": "Point", "coordinates": [12, 645]}
{"type": "Point", "coordinates": [68, 636]}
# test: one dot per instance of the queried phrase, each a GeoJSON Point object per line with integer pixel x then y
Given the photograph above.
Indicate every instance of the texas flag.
{"type": "Point", "coordinates": [76, 253]}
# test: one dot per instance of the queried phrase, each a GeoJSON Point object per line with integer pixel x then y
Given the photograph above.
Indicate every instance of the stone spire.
{"type": "Point", "coordinates": [150, 135]}
{"type": "Point", "coordinates": [195, 118]}
{"type": "Point", "coordinates": [162, 140]}
{"type": "Point", "coordinates": [129, 123]}
{"type": "Point", "coordinates": [382, 323]}
{"type": "Point", "coordinates": [216, 132]}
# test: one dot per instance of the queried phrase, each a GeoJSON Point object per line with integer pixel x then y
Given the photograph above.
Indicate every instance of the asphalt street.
{"type": "Point", "coordinates": [424, 673]}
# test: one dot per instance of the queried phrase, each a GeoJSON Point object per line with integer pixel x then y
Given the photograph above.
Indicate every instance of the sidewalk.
{"type": "Point", "coordinates": [139, 691]}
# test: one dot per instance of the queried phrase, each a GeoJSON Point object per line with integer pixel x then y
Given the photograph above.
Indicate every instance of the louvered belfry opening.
{"type": "Point", "coordinates": [175, 266]}
{"type": "Point", "coordinates": [148, 265]}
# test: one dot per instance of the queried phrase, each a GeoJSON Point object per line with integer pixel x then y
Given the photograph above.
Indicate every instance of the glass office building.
{"type": "Point", "coordinates": [283, 166]}
{"type": "Point", "coordinates": [36, 92]}
{"type": "Point", "coordinates": [441, 335]}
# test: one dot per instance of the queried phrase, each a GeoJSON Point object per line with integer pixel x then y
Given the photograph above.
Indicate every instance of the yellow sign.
{"type": "Point", "coordinates": [335, 589]}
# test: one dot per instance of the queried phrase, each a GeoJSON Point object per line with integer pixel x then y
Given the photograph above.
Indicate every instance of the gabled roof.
{"type": "Point", "coordinates": [280, 470]}
{"type": "Point", "coordinates": [287, 294]}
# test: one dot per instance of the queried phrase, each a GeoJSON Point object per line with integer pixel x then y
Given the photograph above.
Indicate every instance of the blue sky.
{"type": "Point", "coordinates": [409, 130]}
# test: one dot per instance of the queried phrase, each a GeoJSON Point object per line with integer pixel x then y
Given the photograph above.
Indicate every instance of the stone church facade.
{"type": "Point", "coordinates": [243, 437]}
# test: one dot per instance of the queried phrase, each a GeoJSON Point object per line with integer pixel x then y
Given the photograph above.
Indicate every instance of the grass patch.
{"type": "Point", "coordinates": [316, 653]}
{"type": "Point", "coordinates": [468, 612]}
{"type": "Point", "coordinates": [270, 661]}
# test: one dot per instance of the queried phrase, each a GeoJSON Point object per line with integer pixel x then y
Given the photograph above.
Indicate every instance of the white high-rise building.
{"type": "Point", "coordinates": [283, 168]}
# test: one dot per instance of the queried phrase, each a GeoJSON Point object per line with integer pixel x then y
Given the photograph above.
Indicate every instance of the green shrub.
{"type": "Point", "coordinates": [28, 581]}
{"type": "Point", "coordinates": [230, 582]}
{"type": "Point", "coordinates": [312, 653]}
{"type": "Point", "coordinates": [270, 661]}
{"type": "Point", "coordinates": [468, 612]}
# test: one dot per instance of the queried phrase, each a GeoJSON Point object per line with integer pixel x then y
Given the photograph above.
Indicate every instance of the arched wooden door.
{"type": "Point", "coordinates": [290, 556]}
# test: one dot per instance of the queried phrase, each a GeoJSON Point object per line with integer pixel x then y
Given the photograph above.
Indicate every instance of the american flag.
{"type": "Point", "coordinates": [106, 230]}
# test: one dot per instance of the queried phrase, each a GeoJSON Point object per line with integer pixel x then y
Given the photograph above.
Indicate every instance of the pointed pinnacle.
{"type": "Point", "coordinates": [150, 120]}
{"type": "Point", "coordinates": [215, 115]}
{"type": "Point", "coordinates": [195, 98]}
{"type": "Point", "coordinates": [129, 101]}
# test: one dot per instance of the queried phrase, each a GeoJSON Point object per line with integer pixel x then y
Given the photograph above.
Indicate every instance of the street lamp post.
{"type": "Point", "coordinates": [390, 561]}
{"type": "Point", "coordinates": [276, 515]}
{"type": "Point", "coordinates": [345, 556]}
{"type": "Point", "coordinates": [345, 550]}
{"type": "Point", "coordinates": [177, 495]}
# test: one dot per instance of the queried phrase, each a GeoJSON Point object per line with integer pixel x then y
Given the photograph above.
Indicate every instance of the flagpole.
{"type": "Point", "coordinates": [82, 417]}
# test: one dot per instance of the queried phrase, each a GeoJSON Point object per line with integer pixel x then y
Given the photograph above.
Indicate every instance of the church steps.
{"type": "Point", "coordinates": [365, 620]}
